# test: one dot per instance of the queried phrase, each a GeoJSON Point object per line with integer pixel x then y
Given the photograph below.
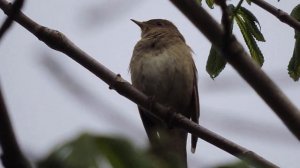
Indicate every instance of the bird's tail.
{"type": "Point", "coordinates": [194, 143]}
{"type": "Point", "coordinates": [175, 145]}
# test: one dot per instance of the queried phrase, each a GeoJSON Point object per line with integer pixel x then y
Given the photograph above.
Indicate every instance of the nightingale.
{"type": "Point", "coordinates": [162, 67]}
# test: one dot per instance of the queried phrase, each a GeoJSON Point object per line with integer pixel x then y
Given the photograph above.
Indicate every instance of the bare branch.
{"type": "Point", "coordinates": [12, 155]}
{"type": "Point", "coordinates": [281, 15]}
{"type": "Point", "coordinates": [240, 60]}
{"type": "Point", "coordinates": [17, 5]}
{"type": "Point", "coordinates": [58, 41]}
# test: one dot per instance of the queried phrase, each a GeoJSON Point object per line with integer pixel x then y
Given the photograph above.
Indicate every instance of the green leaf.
{"type": "Point", "coordinates": [250, 41]}
{"type": "Point", "coordinates": [296, 12]}
{"type": "Point", "coordinates": [252, 24]}
{"type": "Point", "coordinates": [215, 63]}
{"type": "Point", "coordinates": [210, 3]}
{"type": "Point", "coordinates": [89, 151]}
{"type": "Point", "coordinates": [294, 64]}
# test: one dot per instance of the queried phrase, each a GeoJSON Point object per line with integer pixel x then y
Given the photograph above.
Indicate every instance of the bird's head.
{"type": "Point", "coordinates": [156, 26]}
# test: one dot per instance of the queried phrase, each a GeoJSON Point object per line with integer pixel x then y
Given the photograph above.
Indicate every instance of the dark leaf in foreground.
{"type": "Point", "coordinates": [94, 152]}
{"type": "Point", "coordinates": [90, 151]}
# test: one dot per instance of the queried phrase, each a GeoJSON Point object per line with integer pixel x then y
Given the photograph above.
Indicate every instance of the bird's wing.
{"type": "Point", "coordinates": [195, 108]}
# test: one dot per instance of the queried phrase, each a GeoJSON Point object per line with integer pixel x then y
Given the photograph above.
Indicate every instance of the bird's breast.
{"type": "Point", "coordinates": [167, 75]}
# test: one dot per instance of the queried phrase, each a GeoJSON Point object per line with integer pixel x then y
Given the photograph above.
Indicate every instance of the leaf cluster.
{"type": "Point", "coordinates": [250, 29]}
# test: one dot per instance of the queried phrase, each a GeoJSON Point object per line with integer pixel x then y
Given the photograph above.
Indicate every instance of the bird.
{"type": "Point", "coordinates": [162, 67]}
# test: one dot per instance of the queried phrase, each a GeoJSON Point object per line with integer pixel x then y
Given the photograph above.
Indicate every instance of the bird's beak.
{"type": "Point", "coordinates": [140, 24]}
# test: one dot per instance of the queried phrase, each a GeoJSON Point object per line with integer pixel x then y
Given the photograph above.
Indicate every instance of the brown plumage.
{"type": "Point", "coordinates": [162, 67]}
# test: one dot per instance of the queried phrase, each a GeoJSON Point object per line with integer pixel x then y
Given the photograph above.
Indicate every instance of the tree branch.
{"type": "Point", "coordinates": [281, 15]}
{"type": "Point", "coordinates": [240, 60]}
{"type": "Point", "coordinates": [58, 41]}
{"type": "Point", "coordinates": [12, 156]}
{"type": "Point", "coordinates": [16, 6]}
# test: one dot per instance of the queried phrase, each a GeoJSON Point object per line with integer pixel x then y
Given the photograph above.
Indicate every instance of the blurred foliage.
{"type": "Point", "coordinates": [96, 151]}
{"type": "Point", "coordinates": [90, 151]}
{"type": "Point", "coordinates": [294, 64]}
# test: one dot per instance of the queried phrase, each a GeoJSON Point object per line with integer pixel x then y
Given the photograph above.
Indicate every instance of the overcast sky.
{"type": "Point", "coordinates": [51, 98]}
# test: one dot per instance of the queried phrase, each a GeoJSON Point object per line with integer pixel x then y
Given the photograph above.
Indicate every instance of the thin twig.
{"type": "Point", "coordinates": [238, 5]}
{"type": "Point", "coordinates": [58, 41]}
{"type": "Point", "coordinates": [226, 21]}
{"type": "Point", "coordinates": [240, 60]}
{"type": "Point", "coordinates": [16, 6]}
{"type": "Point", "coordinates": [12, 156]}
{"type": "Point", "coordinates": [281, 15]}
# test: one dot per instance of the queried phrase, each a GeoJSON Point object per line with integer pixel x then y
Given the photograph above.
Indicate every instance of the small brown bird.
{"type": "Point", "coordinates": [162, 67]}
